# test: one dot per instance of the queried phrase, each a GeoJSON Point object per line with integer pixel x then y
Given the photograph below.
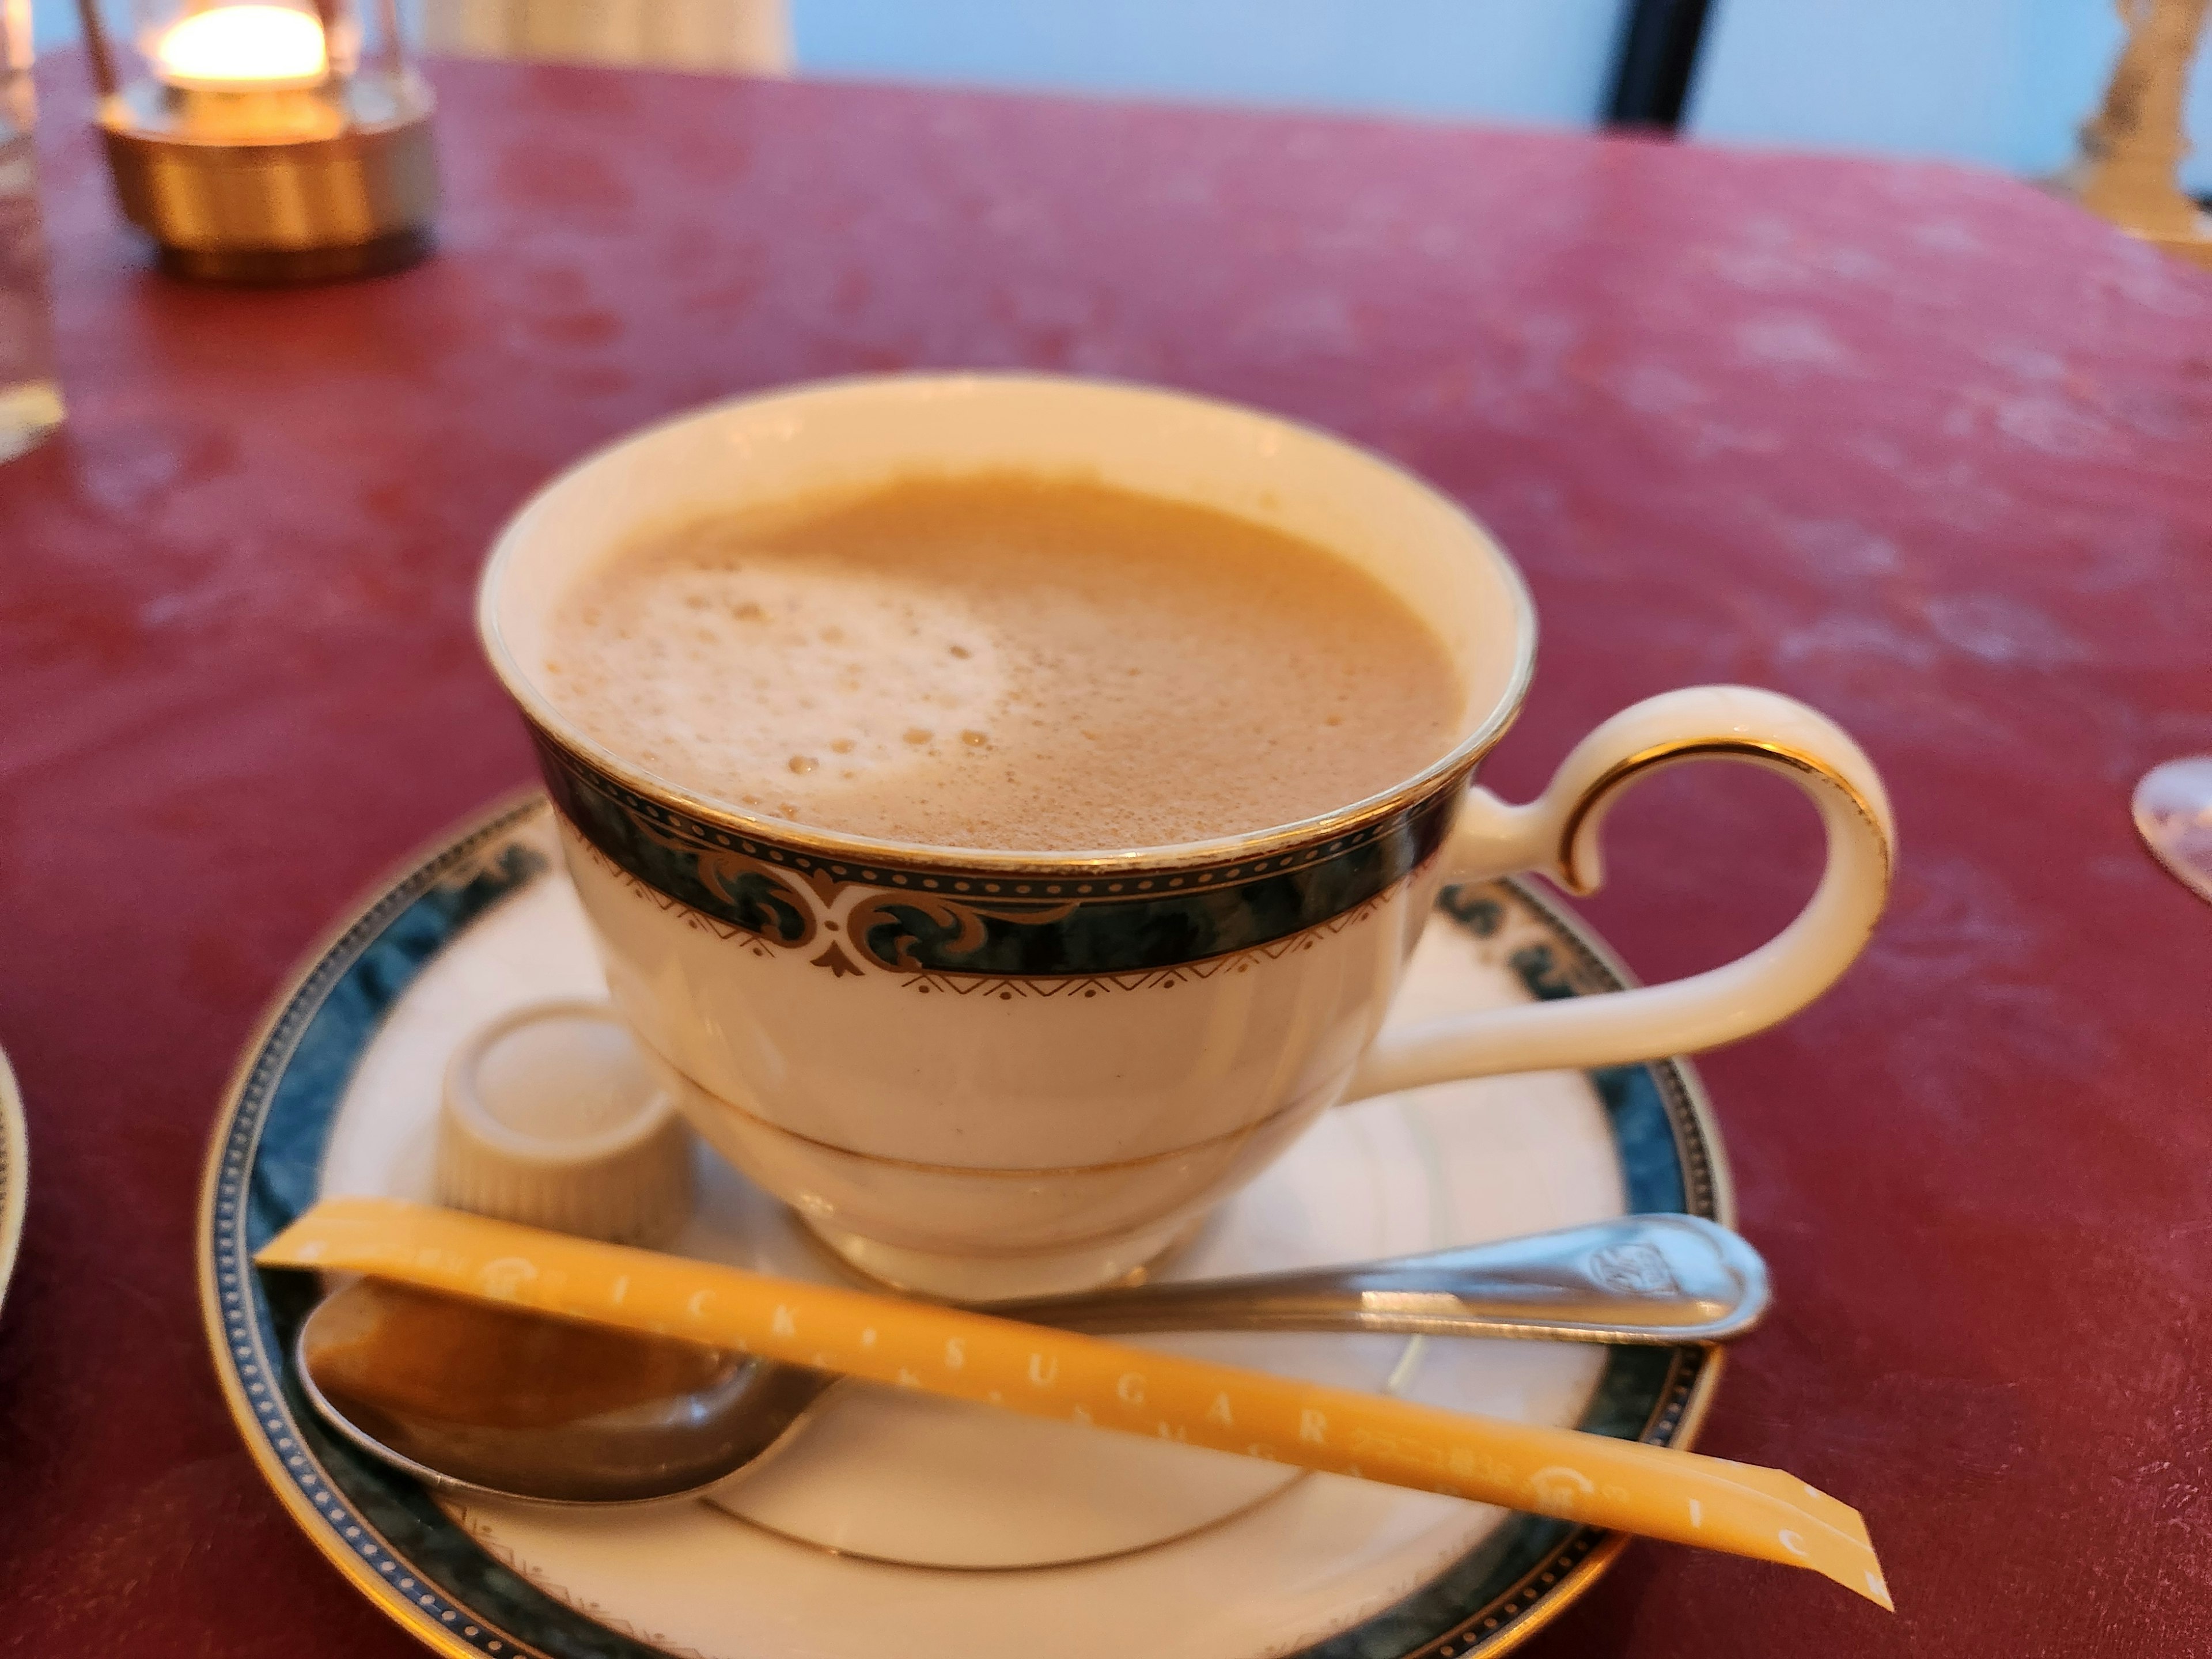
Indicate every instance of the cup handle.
{"type": "Point", "coordinates": [1557, 834]}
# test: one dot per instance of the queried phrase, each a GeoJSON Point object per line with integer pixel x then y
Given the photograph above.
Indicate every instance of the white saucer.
{"type": "Point", "coordinates": [927, 1527]}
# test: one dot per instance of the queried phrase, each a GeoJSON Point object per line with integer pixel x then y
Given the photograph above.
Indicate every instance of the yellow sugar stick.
{"type": "Point", "coordinates": [1591, 1477]}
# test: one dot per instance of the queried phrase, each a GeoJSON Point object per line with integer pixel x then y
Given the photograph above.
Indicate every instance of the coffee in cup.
{"type": "Point", "coordinates": [1002, 659]}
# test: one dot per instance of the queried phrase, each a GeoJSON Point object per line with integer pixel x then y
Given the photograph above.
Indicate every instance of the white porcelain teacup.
{"type": "Point", "coordinates": [983, 1074]}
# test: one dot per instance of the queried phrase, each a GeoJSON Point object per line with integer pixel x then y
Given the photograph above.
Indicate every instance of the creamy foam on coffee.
{"type": "Point", "coordinates": [1003, 660]}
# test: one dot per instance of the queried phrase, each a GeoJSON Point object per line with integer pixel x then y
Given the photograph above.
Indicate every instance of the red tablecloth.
{"type": "Point", "coordinates": [1916, 444]}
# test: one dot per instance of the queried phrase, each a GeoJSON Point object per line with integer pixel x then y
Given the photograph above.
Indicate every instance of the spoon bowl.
{"type": "Point", "coordinates": [477, 1398]}
{"type": "Point", "coordinates": [485, 1399]}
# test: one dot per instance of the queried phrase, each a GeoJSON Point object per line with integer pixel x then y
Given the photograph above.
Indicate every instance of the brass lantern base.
{"type": "Point", "coordinates": [280, 267]}
{"type": "Point", "coordinates": [318, 188]}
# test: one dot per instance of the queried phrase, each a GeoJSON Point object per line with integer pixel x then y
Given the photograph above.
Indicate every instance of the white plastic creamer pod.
{"type": "Point", "coordinates": [552, 1119]}
{"type": "Point", "coordinates": [1558, 834]}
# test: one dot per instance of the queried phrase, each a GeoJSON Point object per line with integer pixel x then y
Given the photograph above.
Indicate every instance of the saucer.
{"type": "Point", "coordinates": [928, 1527]}
{"type": "Point", "coordinates": [15, 1173]}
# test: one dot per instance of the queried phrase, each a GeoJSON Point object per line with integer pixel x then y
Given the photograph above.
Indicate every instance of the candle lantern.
{"type": "Point", "coordinates": [268, 140]}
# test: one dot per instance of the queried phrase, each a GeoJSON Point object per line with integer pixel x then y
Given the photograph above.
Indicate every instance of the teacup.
{"type": "Point", "coordinates": [983, 1074]}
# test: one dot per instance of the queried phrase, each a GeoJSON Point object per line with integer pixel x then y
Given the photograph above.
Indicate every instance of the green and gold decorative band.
{"type": "Point", "coordinates": [918, 913]}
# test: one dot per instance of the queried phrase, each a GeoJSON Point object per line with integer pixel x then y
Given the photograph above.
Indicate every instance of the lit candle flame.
{"type": "Point", "coordinates": [247, 48]}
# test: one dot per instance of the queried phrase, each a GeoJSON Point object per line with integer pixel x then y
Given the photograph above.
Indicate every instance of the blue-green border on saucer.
{"type": "Point", "coordinates": [384, 1532]}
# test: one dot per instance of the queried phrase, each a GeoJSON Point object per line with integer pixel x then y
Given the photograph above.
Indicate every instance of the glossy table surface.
{"type": "Point", "coordinates": [1918, 445]}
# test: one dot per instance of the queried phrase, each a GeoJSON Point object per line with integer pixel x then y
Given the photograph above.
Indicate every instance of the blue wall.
{"type": "Point", "coordinates": [53, 23]}
{"type": "Point", "coordinates": [2000, 81]}
{"type": "Point", "coordinates": [1517, 60]}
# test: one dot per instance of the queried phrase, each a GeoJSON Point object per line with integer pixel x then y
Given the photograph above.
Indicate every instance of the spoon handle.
{"type": "Point", "coordinates": [1644, 1279]}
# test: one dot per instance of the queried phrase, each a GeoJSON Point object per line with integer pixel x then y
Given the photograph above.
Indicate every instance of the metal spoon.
{"type": "Point", "coordinates": [2174, 815]}
{"type": "Point", "coordinates": [486, 1399]}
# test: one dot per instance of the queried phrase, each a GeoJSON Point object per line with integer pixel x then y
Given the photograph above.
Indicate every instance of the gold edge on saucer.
{"type": "Point", "coordinates": [1598, 1549]}
{"type": "Point", "coordinates": [376, 1586]}
{"type": "Point", "coordinates": [1467, 1639]}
